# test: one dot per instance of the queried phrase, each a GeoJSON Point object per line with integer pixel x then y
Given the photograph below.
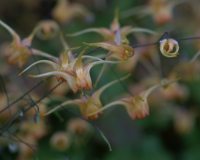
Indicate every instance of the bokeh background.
{"type": "Point", "coordinates": [170, 132]}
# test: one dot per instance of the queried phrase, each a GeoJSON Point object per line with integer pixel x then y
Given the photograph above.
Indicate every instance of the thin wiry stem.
{"type": "Point", "coordinates": [21, 97]}
{"type": "Point", "coordinates": [53, 73]}
{"type": "Point", "coordinates": [59, 106]}
{"type": "Point", "coordinates": [112, 104]}
{"type": "Point", "coordinates": [143, 30]}
{"type": "Point", "coordinates": [139, 10]}
{"type": "Point", "coordinates": [102, 89]}
{"type": "Point", "coordinates": [97, 30]}
{"type": "Point", "coordinates": [43, 54]}
{"type": "Point", "coordinates": [194, 58]}
{"type": "Point", "coordinates": [10, 30]}
{"type": "Point", "coordinates": [53, 64]}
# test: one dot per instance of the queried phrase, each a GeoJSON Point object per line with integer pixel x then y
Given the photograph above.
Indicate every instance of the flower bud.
{"type": "Point", "coordinates": [169, 48]}
{"type": "Point", "coordinates": [60, 141]}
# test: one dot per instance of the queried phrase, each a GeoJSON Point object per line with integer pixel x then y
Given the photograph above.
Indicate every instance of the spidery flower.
{"type": "Point", "coordinates": [88, 104]}
{"type": "Point", "coordinates": [136, 106]}
{"type": "Point", "coordinates": [64, 11]}
{"type": "Point", "coordinates": [19, 50]}
{"type": "Point", "coordinates": [115, 39]}
{"type": "Point", "coordinates": [70, 69]}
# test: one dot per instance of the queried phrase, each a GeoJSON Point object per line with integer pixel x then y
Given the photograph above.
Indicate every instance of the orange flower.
{"type": "Point", "coordinates": [65, 12]}
{"type": "Point", "coordinates": [115, 33]}
{"type": "Point", "coordinates": [115, 39]}
{"type": "Point", "coordinates": [70, 69]}
{"type": "Point", "coordinates": [88, 104]}
{"type": "Point", "coordinates": [137, 106]}
{"type": "Point", "coordinates": [18, 51]}
{"type": "Point", "coordinates": [160, 10]}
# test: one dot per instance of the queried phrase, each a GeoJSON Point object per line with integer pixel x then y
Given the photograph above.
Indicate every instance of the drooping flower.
{"type": "Point", "coordinates": [115, 33]}
{"type": "Point", "coordinates": [19, 50]}
{"type": "Point", "coordinates": [160, 10]}
{"type": "Point", "coordinates": [137, 106]}
{"type": "Point", "coordinates": [65, 11]}
{"type": "Point", "coordinates": [70, 69]}
{"type": "Point", "coordinates": [115, 39]}
{"type": "Point", "coordinates": [88, 104]}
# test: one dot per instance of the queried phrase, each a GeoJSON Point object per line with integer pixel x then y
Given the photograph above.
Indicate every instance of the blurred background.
{"type": "Point", "coordinates": [170, 132]}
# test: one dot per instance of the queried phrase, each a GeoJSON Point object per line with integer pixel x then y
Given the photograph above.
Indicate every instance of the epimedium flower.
{"type": "Point", "coordinates": [120, 52]}
{"type": "Point", "coordinates": [47, 29]}
{"type": "Point", "coordinates": [136, 106]}
{"type": "Point", "coordinates": [60, 141]}
{"type": "Point", "coordinates": [89, 106]}
{"type": "Point", "coordinates": [19, 50]}
{"type": "Point", "coordinates": [169, 47]}
{"type": "Point", "coordinates": [115, 39]}
{"type": "Point", "coordinates": [160, 10]}
{"type": "Point", "coordinates": [187, 70]}
{"type": "Point", "coordinates": [65, 11]}
{"type": "Point", "coordinates": [72, 70]}
{"type": "Point", "coordinates": [115, 33]}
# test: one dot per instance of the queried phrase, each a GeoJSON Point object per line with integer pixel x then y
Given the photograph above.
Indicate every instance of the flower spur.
{"type": "Point", "coordinates": [88, 104]}
{"type": "Point", "coordinates": [19, 50]}
{"type": "Point", "coordinates": [71, 70]}
{"type": "Point", "coordinates": [136, 106]}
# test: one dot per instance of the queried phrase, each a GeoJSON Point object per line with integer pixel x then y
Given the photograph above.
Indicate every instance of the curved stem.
{"type": "Point", "coordinates": [139, 10]}
{"type": "Point", "coordinates": [91, 57]}
{"type": "Point", "coordinates": [97, 30]}
{"type": "Point", "coordinates": [59, 106]}
{"type": "Point", "coordinates": [194, 58]}
{"type": "Point", "coordinates": [10, 30]}
{"type": "Point", "coordinates": [112, 104]}
{"type": "Point", "coordinates": [53, 73]}
{"type": "Point", "coordinates": [53, 64]}
{"type": "Point", "coordinates": [143, 30]}
{"type": "Point", "coordinates": [43, 54]}
{"type": "Point", "coordinates": [99, 91]}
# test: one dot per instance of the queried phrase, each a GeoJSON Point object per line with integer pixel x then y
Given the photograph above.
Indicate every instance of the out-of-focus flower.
{"type": "Point", "coordinates": [60, 141]}
{"type": "Point", "coordinates": [169, 47]}
{"type": "Point", "coordinates": [78, 126]}
{"type": "Point", "coordinates": [183, 121]}
{"type": "Point", "coordinates": [65, 11]}
{"type": "Point", "coordinates": [160, 10]}
{"type": "Point", "coordinates": [174, 91]}
{"type": "Point", "coordinates": [115, 39]}
{"type": "Point", "coordinates": [19, 50]}
{"type": "Point", "coordinates": [26, 152]}
{"type": "Point", "coordinates": [6, 114]}
{"type": "Point", "coordinates": [88, 104]}
{"type": "Point", "coordinates": [136, 106]}
{"type": "Point", "coordinates": [36, 130]}
{"type": "Point", "coordinates": [186, 71]}
{"type": "Point", "coordinates": [47, 29]}
{"type": "Point", "coordinates": [115, 33]}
